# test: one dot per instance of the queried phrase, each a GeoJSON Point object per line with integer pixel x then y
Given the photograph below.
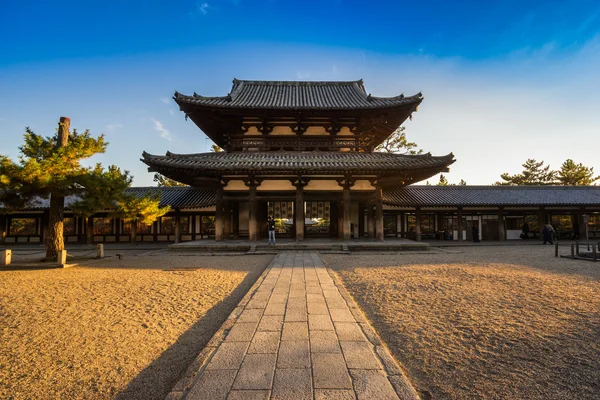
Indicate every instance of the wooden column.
{"type": "Point", "coordinates": [235, 223]}
{"type": "Point", "coordinates": [346, 184]}
{"type": "Point", "coordinates": [177, 226]}
{"type": "Point", "coordinates": [219, 216]}
{"type": "Point", "coordinates": [89, 230]}
{"type": "Point", "coordinates": [226, 219]}
{"type": "Point", "coordinates": [418, 224]}
{"type": "Point", "coordinates": [370, 221]}
{"type": "Point", "coordinates": [378, 214]}
{"type": "Point", "coordinates": [459, 217]}
{"type": "Point", "coordinates": [542, 219]}
{"type": "Point", "coordinates": [2, 228]}
{"type": "Point", "coordinates": [501, 230]}
{"type": "Point", "coordinates": [581, 223]}
{"type": "Point", "coordinates": [402, 225]}
{"type": "Point", "coordinates": [361, 220]}
{"type": "Point", "coordinates": [252, 209]}
{"type": "Point", "coordinates": [299, 208]}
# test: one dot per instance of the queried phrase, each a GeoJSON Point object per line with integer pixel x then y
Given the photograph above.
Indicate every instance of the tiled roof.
{"type": "Point", "coordinates": [175, 196]}
{"type": "Point", "coordinates": [296, 162]}
{"type": "Point", "coordinates": [298, 95]}
{"type": "Point", "coordinates": [453, 196]}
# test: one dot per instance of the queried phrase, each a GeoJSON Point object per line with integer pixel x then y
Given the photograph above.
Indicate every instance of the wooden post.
{"type": "Point", "coordinates": [370, 221]}
{"type": "Point", "coordinates": [501, 231]}
{"type": "Point", "coordinates": [361, 220]}
{"type": "Point", "coordinates": [55, 240]}
{"type": "Point", "coordinates": [556, 249]}
{"type": "Point", "coordinates": [572, 250]}
{"type": "Point", "coordinates": [299, 209]}
{"type": "Point", "coordinates": [542, 218]}
{"type": "Point", "coordinates": [226, 219]}
{"type": "Point", "coordinates": [252, 225]}
{"type": "Point", "coordinates": [177, 227]}
{"type": "Point", "coordinates": [595, 253]}
{"type": "Point", "coordinates": [379, 234]}
{"type": "Point", "coordinates": [417, 224]}
{"type": "Point", "coordinates": [5, 257]}
{"type": "Point", "coordinates": [459, 217]}
{"type": "Point", "coordinates": [100, 250]}
{"type": "Point", "coordinates": [89, 230]}
{"type": "Point", "coordinates": [2, 228]}
{"type": "Point", "coordinates": [62, 258]}
{"type": "Point", "coordinates": [219, 216]}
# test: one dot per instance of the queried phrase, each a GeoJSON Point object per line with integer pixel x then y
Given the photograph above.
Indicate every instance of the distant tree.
{"type": "Point", "coordinates": [397, 143]}
{"type": "Point", "coordinates": [162, 180]}
{"type": "Point", "coordinates": [50, 167]}
{"type": "Point", "coordinates": [534, 173]}
{"type": "Point", "coordinates": [443, 181]}
{"type": "Point", "coordinates": [134, 209]}
{"type": "Point", "coordinates": [215, 149]}
{"type": "Point", "coordinates": [575, 174]}
{"type": "Point", "coordinates": [462, 183]}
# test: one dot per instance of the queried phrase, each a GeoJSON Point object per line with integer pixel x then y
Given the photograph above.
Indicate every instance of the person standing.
{"type": "Point", "coordinates": [525, 233]}
{"type": "Point", "coordinates": [547, 232]}
{"type": "Point", "coordinates": [271, 226]}
{"type": "Point", "coordinates": [475, 233]}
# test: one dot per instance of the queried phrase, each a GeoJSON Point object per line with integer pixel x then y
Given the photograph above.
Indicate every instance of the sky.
{"type": "Point", "coordinates": [502, 81]}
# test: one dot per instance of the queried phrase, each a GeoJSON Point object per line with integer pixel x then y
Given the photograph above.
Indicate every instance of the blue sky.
{"type": "Point", "coordinates": [503, 81]}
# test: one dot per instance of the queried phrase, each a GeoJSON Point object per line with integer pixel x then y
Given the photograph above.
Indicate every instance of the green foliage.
{"type": "Point", "coordinates": [534, 173]}
{"type": "Point", "coordinates": [575, 174]}
{"type": "Point", "coordinates": [162, 180]}
{"type": "Point", "coordinates": [462, 183]}
{"type": "Point", "coordinates": [100, 189]}
{"type": "Point", "coordinates": [215, 149]}
{"type": "Point", "coordinates": [397, 143]}
{"type": "Point", "coordinates": [140, 209]}
{"type": "Point", "coordinates": [443, 181]}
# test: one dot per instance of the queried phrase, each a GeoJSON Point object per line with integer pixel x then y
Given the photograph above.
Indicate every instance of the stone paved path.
{"type": "Point", "coordinates": [298, 337]}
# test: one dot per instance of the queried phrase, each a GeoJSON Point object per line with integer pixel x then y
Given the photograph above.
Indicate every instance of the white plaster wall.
{"type": "Point", "coordinates": [236, 185]}
{"type": "Point", "coordinates": [327, 185]}
{"type": "Point", "coordinates": [362, 184]}
{"type": "Point", "coordinates": [276, 185]}
{"type": "Point", "coordinates": [316, 131]}
{"type": "Point", "coordinates": [282, 130]}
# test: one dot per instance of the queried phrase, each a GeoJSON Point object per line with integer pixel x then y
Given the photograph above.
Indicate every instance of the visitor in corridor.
{"type": "Point", "coordinates": [475, 232]}
{"type": "Point", "coordinates": [525, 233]}
{"type": "Point", "coordinates": [271, 226]}
{"type": "Point", "coordinates": [548, 231]}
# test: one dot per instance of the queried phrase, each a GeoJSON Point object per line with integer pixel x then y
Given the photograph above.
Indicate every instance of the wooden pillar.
{"type": "Point", "coordinates": [542, 219]}
{"type": "Point", "coordinates": [501, 230]}
{"type": "Point", "coordinates": [89, 230]}
{"type": "Point", "coordinates": [581, 224]}
{"type": "Point", "coordinates": [219, 216]}
{"type": "Point", "coordinates": [299, 209]}
{"type": "Point", "coordinates": [252, 209]}
{"type": "Point", "coordinates": [402, 225]}
{"type": "Point", "coordinates": [361, 220]}
{"type": "Point", "coordinates": [459, 217]}
{"type": "Point", "coordinates": [2, 228]}
{"type": "Point", "coordinates": [235, 223]}
{"type": "Point", "coordinates": [346, 234]}
{"type": "Point", "coordinates": [370, 221]}
{"type": "Point", "coordinates": [177, 226]}
{"type": "Point", "coordinates": [418, 224]}
{"type": "Point", "coordinates": [226, 219]}
{"type": "Point", "coordinates": [378, 214]}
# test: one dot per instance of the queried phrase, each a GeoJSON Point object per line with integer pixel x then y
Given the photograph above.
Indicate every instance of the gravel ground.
{"type": "Point", "coordinates": [114, 328]}
{"type": "Point", "coordinates": [488, 323]}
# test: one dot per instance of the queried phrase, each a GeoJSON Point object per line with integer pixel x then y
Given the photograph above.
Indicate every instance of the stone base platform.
{"type": "Point", "coordinates": [322, 245]}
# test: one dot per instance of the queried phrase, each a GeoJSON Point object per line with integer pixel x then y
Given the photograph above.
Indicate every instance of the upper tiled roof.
{"type": "Point", "coordinates": [296, 162]}
{"type": "Point", "coordinates": [454, 196]}
{"type": "Point", "coordinates": [298, 95]}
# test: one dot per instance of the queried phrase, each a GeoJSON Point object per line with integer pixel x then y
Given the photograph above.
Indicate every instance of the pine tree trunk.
{"type": "Point", "coordinates": [89, 230]}
{"type": "Point", "coordinates": [133, 232]}
{"type": "Point", "coordinates": [55, 240]}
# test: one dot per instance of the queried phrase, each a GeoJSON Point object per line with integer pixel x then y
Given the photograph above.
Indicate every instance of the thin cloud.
{"type": "Point", "coordinates": [164, 133]}
{"type": "Point", "coordinates": [115, 126]}
{"type": "Point", "coordinates": [202, 8]}
{"type": "Point", "coordinates": [165, 100]}
{"type": "Point", "coordinates": [171, 112]}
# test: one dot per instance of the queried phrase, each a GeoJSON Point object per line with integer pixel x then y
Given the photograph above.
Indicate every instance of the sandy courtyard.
{"type": "Point", "coordinates": [490, 323]}
{"type": "Point", "coordinates": [113, 328]}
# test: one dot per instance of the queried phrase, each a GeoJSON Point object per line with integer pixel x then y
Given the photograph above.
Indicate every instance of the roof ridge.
{"type": "Point", "coordinates": [237, 82]}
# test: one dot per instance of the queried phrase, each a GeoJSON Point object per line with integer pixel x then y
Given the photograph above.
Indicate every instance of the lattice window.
{"type": "Point", "coordinates": [318, 209]}
{"type": "Point", "coordinates": [281, 209]}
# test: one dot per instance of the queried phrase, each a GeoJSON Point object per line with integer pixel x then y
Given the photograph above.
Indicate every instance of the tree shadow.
{"type": "Point", "coordinates": [157, 379]}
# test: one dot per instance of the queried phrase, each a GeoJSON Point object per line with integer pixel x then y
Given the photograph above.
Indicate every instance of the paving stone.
{"type": "Point", "coordinates": [292, 384]}
{"type": "Point", "coordinates": [294, 354]}
{"type": "Point", "coordinates": [330, 372]}
{"type": "Point", "coordinates": [341, 315]}
{"type": "Point", "coordinates": [403, 387]}
{"type": "Point", "coordinates": [256, 372]}
{"type": "Point", "coordinates": [296, 303]}
{"type": "Point", "coordinates": [349, 331]}
{"type": "Point", "coordinates": [313, 289]}
{"type": "Point", "coordinates": [212, 385]}
{"type": "Point", "coordinates": [251, 315]}
{"type": "Point", "coordinates": [249, 395]}
{"type": "Point", "coordinates": [296, 315]}
{"type": "Point", "coordinates": [295, 331]}
{"type": "Point", "coordinates": [264, 342]}
{"type": "Point", "coordinates": [257, 303]}
{"type": "Point", "coordinates": [335, 394]}
{"type": "Point", "coordinates": [370, 384]}
{"type": "Point", "coordinates": [324, 342]}
{"type": "Point", "coordinates": [270, 323]}
{"type": "Point", "coordinates": [275, 309]}
{"type": "Point", "coordinates": [241, 332]}
{"type": "Point", "coordinates": [278, 298]}
{"type": "Point", "coordinates": [319, 323]}
{"type": "Point", "coordinates": [359, 355]}
{"type": "Point", "coordinates": [229, 355]}
{"type": "Point", "coordinates": [318, 309]}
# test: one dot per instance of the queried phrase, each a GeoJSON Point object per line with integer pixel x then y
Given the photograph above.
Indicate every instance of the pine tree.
{"type": "Point", "coordinates": [215, 149]}
{"type": "Point", "coordinates": [575, 174]}
{"type": "Point", "coordinates": [534, 173]}
{"type": "Point", "coordinates": [462, 183]}
{"type": "Point", "coordinates": [397, 143]}
{"type": "Point", "coordinates": [136, 209]}
{"type": "Point", "coordinates": [443, 181]}
{"type": "Point", "coordinates": [163, 181]}
{"type": "Point", "coordinates": [50, 167]}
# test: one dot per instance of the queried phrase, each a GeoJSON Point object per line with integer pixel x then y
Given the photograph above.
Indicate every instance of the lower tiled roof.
{"type": "Point", "coordinates": [455, 196]}
{"type": "Point", "coordinates": [317, 162]}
